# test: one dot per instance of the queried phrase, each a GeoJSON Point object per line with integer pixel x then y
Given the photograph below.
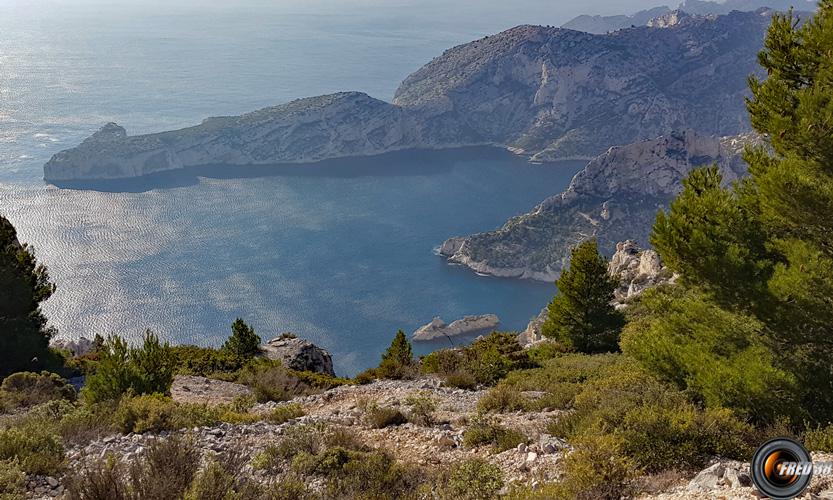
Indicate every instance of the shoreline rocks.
{"type": "Point", "coordinates": [468, 325]}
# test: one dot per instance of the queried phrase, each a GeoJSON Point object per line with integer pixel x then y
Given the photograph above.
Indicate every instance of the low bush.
{"type": "Point", "coordinates": [486, 431]}
{"type": "Point", "coordinates": [422, 407]}
{"type": "Point", "coordinates": [270, 381]}
{"type": "Point", "coordinates": [546, 351]}
{"type": "Point", "coordinates": [819, 438]}
{"type": "Point", "coordinates": [485, 361]}
{"type": "Point", "coordinates": [156, 413]}
{"type": "Point", "coordinates": [27, 389]}
{"type": "Point", "coordinates": [165, 470]}
{"type": "Point", "coordinates": [285, 413]}
{"type": "Point", "coordinates": [37, 450]}
{"type": "Point", "coordinates": [503, 398]}
{"type": "Point", "coordinates": [379, 417]}
{"type": "Point", "coordinates": [474, 479]}
{"type": "Point", "coordinates": [205, 362]}
{"type": "Point", "coordinates": [597, 469]}
{"type": "Point", "coordinates": [12, 481]}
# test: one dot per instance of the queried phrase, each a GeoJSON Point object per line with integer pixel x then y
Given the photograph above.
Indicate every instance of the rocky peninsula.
{"type": "Point", "coordinates": [614, 198]}
{"type": "Point", "coordinates": [543, 92]}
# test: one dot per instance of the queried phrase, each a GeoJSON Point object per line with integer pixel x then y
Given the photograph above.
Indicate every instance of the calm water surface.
{"type": "Point", "coordinates": [341, 253]}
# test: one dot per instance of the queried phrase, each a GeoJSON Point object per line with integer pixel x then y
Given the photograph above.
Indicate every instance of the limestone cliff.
{"type": "Point", "coordinates": [614, 198]}
{"type": "Point", "coordinates": [545, 92]}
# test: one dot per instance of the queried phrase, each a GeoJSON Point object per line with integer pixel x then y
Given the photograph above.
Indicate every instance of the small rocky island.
{"type": "Point", "coordinates": [468, 325]}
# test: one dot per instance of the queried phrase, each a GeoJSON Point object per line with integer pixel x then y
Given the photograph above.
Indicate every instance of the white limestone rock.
{"type": "Point", "coordinates": [468, 325]}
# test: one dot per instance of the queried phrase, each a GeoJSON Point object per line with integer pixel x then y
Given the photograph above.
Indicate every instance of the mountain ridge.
{"type": "Point", "coordinates": [543, 92]}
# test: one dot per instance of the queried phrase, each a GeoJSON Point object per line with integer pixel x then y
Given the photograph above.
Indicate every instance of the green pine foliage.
{"type": "Point", "coordinates": [243, 343]}
{"type": "Point", "coordinates": [580, 315]}
{"type": "Point", "coordinates": [24, 284]}
{"type": "Point", "coordinates": [145, 369]}
{"type": "Point", "coordinates": [398, 359]}
{"type": "Point", "coordinates": [753, 330]}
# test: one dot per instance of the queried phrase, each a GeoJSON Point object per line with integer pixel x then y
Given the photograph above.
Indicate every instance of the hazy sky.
{"type": "Point", "coordinates": [486, 12]}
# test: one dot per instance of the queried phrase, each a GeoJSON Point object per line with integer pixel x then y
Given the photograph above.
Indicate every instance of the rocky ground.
{"type": "Point", "coordinates": [429, 445]}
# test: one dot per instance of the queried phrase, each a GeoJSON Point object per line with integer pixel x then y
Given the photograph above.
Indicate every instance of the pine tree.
{"type": "Point", "coordinates": [765, 245]}
{"type": "Point", "coordinates": [243, 343]}
{"type": "Point", "coordinates": [580, 316]}
{"type": "Point", "coordinates": [398, 359]}
{"type": "Point", "coordinates": [24, 284]}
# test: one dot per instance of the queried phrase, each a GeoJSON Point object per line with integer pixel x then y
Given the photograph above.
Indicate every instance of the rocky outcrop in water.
{"type": "Point", "coordinates": [298, 354]}
{"type": "Point", "coordinates": [614, 198]}
{"type": "Point", "coordinates": [468, 325]}
{"type": "Point", "coordinates": [544, 92]}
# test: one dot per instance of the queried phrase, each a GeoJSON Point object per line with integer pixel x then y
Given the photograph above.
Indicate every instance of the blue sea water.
{"type": "Point", "coordinates": [341, 253]}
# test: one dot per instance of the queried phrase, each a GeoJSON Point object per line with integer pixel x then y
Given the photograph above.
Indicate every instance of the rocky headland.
{"type": "Point", "coordinates": [468, 325]}
{"type": "Point", "coordinates": [614, 198]}
{"type": "Point", "coordinates": [604, 24]}
{"type": "Point", "coordinates": [544, 92]}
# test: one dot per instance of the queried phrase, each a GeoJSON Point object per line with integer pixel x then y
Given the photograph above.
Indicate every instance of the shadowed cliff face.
{"type": "Point", "coordinates": [545, 92]}
{"type": "Point", "coordinates": [614, 198]}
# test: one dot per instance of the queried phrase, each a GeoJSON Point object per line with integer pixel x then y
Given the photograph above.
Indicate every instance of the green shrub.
{"type": "Point", "coordinates": [297, 439]}
{"type": "Point", "coordinates": [423, 405]}
{"type": "Point", "coordinates": [474, 479]}
{"type": "Point", "coordinates": [370, 475]}
{"type": "Point", "coordinates": [684, 438]}
{"type": "Point", "coordinates": [205, 362]}
{"type": "Point", "coordinates": [12, 481]}
{"type": "Point", "coordinates": [37, 450]}
{"type": "Point", "coordinates": [156, 413]}
{"type": "Point", "coordinates": [285, 413]}
{"type": "Point", "coordinates": [483, 430]}
{"type": "Point", "coordinates": [461, 380]}
{"type": "Point", "coordinates": [141, 370]}
{"type": "Point", "coordinates": [596, 469]}
{"type": "Point", "coordinates": [685, 339]}
{"type": "Point", "coordinates": [485, 361]}
{"type": "Point", "coordinates": [166, 469]}
{"type": "Point", "coordinates": [104, 479]}
{"type": "Point", "coordinates": [546, 351]}
{"type": "Point", "coordinates": [272, 382]}
{"type": "Point", "coordinates": [26, 389]}
{"type": "Point", "coordinates": [819, 438]}
{"type": "Point", "coordinates": [379, 417]}
{"type": "Point", "coordinates": [502, 398]}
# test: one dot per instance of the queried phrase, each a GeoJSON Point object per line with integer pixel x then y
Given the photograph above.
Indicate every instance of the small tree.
{"type": "Point", "coordinates": [140, 370]}
{"type": "Point", "coordinates": [398, 359]}
{"type": "Point", "coordinates": [580, 316]}
{"type": "Point", "coordinates": [24, 336]}
{"type": "Point", "coordinates": [243, 343]}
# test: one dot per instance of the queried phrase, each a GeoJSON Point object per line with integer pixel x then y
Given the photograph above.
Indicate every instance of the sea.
{"type": "Point", "coordinates": [342, 253]}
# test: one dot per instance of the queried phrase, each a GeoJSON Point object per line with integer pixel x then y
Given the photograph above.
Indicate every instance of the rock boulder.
{"type": "Point", "coordinates": [299, 354]}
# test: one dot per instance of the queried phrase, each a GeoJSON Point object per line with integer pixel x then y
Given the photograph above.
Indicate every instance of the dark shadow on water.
{"type": "Point", "coordinates": [413, 162]}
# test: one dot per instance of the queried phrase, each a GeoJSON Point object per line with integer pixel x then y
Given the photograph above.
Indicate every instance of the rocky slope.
{"type": "Point", "coordinates": [545, 92]}
{"type": "Point", "coordinates": [614, 198]}
{"type": "Point", "coordinates": [605, 24]}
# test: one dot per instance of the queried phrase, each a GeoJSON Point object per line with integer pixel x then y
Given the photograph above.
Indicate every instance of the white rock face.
{"type": "Point", "coordinates": [637, 271]}
{"type": "Point", "coordinates": [438, 328]}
